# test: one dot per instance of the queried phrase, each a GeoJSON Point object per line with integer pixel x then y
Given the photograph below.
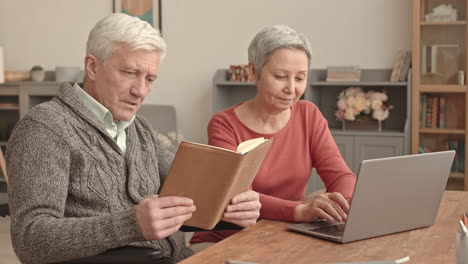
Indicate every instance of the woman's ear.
{"type": "Point", "coordinates": [91, 66]}
{"type": "Point", "coordinates": [252, 73]}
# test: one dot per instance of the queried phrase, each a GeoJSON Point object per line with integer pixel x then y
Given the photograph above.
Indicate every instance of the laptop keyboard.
{"type": "Point", "coordinates": [332, 230]}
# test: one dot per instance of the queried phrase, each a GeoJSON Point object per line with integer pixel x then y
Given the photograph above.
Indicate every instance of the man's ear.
{"type": "Point", "coordinates": [91, 64]}
{"type": "Point", "coordinates": [252, 73]}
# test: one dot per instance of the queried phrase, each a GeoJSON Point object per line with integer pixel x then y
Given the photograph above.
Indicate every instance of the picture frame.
{"type": "Point", "coordinates": [146, 10]}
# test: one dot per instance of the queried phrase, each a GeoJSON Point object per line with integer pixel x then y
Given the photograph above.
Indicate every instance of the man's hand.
{"type": "Point", "coordinates": [159, 217]}
{"type": "Point", "coordinates": [328, 206]}
{"type": "Point", "coordinates": [243, 210]}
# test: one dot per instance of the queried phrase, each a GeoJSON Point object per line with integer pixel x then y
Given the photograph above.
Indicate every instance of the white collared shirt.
{"type": "Point", "coordinates": [115, 129]}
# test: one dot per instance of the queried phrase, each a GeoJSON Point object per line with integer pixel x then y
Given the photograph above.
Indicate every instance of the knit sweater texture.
{"type": "Point", "coordinates": [72, 193]}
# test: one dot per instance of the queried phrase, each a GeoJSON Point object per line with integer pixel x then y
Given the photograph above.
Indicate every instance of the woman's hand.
{"type": "Point", "coordinates": [328, 206]}
{"type": "Point", "coordinates": [243, 210]}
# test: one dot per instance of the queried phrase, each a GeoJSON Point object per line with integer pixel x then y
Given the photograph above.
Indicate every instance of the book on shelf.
{"type": "Point", "coordinates": [405, 67]}
{"type": "Point", "coordinates": [442, 111]}
{"type": "Point", "coordinates": [212, 176]}
{"type": "Point", "coordinates": [397, 66]}
{"type": "Point", "coordinates": [429, 109]}
{"type": "Point", "coordinates": [343, 73]}
{"type": "Point", "coordinates": [433, 112]}
{"type": "Point", "coordinates": [423, 112]}
{"type": "Point", "coordinates": [459, 160]}
{"type": "Point", "coordinates": [461, 150]}
{"type": "Point", "coordinates": [428, 59]}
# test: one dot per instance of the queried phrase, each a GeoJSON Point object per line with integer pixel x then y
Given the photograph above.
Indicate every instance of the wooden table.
{"type": "Point", "coordinates": [269, 242]}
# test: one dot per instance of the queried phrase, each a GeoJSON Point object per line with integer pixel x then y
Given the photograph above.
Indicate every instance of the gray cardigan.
{"type": "Point", "coordinates": [72, 193]}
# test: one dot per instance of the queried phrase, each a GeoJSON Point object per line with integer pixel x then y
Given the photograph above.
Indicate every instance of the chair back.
{"type": "Point", "coordinates": [161, 117]}
{"type": "Point", "coordinates": [3, 165]}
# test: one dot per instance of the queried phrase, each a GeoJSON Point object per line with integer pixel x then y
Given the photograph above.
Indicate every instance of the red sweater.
{"type": "Point", "coordinates": [304, 142]}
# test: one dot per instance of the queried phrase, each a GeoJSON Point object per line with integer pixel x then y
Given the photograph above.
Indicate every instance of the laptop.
{"type": "Point", "coordinates": [391, 195]}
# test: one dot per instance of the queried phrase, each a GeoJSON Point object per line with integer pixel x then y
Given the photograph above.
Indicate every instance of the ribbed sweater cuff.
{"type": "Point", "coordinates": [124, 227]}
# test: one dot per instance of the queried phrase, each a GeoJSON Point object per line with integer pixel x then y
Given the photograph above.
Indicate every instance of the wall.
{"type": "Point", "coordinates": [47, 32]}
{"type": "Point", "coordinates": [209, 34]}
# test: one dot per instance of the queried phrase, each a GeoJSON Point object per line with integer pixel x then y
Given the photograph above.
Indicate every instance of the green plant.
{"type": "Point", "coordinates": [37, 68]}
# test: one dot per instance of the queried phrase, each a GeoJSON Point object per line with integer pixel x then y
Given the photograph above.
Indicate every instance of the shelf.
{"type": "Point", "coordinates": [384, 83]}
{"type": "Point", "coordinates": [441, 88]}
{"type": "Point", "coordinates": [9, 107]}
{"type": "Point", "coordinates": [453, 23]}
{"type": "Point", "coordinates": [455, 184]}
{"type": "Point", "coordinates": [3, 143]}
{"type": "Point", "coordinates": [43, 83]}
{"type": "Point", "coordinates": [457, 175]}
{"type": "Point", "coordinates": [240, 84]}
{"type": "Point", "coordinates": [436, 73]}
{"type": "Point", "coordinates": [384, 133]}
{"type": "Point", "coordinates": [396, 84]}
{"type": "Point", "coordinates": [441, 131]}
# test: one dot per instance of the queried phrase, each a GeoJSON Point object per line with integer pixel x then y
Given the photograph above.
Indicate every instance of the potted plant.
{"type": "Point", "coordinates": [37, 73]}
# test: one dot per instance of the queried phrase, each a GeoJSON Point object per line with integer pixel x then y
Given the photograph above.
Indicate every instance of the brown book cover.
{"type": "Point", "coordinates": [397, 65]}
{"type": "Point", "coordinates": [406, 66]}
{"type": "Point", "coordinates": [211, 176]}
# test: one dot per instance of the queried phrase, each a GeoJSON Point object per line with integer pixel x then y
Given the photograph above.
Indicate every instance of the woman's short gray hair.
{"type": "Point", "coordinates": [118, 29]}
{"type": "Point", "coordinates": [272, 38]}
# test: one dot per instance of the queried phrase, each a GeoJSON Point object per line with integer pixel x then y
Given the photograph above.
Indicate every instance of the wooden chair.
{"type": "Point", "coordinates": [3, 165]}
{"type": "Point", "coordinates": [161, 117]}
{"type": "Point", "coordinates": [4, 210]}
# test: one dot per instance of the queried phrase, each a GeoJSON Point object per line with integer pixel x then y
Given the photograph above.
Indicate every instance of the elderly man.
{"type": "Point", "coordinates": [85, 171]}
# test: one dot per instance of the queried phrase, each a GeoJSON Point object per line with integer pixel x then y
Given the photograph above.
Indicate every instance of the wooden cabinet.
{"type": "Point", "coordinates": [15, 101]}
{"type": "Point", "coordinates": [439, 83]}
{"type": "Point", "coordinates": [358, 147]}
{"type": "Point", "coordinates": [355, 146]}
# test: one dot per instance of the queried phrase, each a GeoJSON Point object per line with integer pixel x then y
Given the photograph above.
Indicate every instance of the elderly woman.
{"type": "Point", "coordinates": [279, 60]}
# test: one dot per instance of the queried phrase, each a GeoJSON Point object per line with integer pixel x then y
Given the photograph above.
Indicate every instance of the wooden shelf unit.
{"type": "Point", "coordinates": [454, 23]}
{"type": "Point", "coordinates": [354, 145]}
{"type": "Point", "coordinates": [17, 98]}
{"type": "Point", "coordinates": [436, 73]}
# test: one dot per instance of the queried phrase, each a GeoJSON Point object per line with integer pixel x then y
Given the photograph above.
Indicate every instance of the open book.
{"type": "Point", "coordinates": [212, 176]}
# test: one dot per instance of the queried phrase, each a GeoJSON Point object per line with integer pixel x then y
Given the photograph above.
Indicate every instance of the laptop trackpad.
{"type": "Point", "coordinates": [334, 229]}
{"type": "Point", "coordinates": [322, 223]}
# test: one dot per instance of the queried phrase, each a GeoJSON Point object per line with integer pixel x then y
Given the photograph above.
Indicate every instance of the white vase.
{"type": "Point", "coordinates": [67, 74]}
{"type": "Point", "coordinates": [37, 75]}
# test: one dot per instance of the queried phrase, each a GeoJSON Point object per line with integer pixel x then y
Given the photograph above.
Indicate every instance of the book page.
{"type": "Point", "coordinates": [250, 144]}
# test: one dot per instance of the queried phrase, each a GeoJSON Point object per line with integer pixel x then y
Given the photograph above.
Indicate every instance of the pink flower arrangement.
{"type": "Point", "coordinates": [353, 101]}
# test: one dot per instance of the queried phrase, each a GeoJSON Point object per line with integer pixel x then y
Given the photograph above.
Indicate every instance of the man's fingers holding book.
{"type": "Point", "coordinates": [170, 201]}
{"type": "Point", "coordinates": [159, 217]}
